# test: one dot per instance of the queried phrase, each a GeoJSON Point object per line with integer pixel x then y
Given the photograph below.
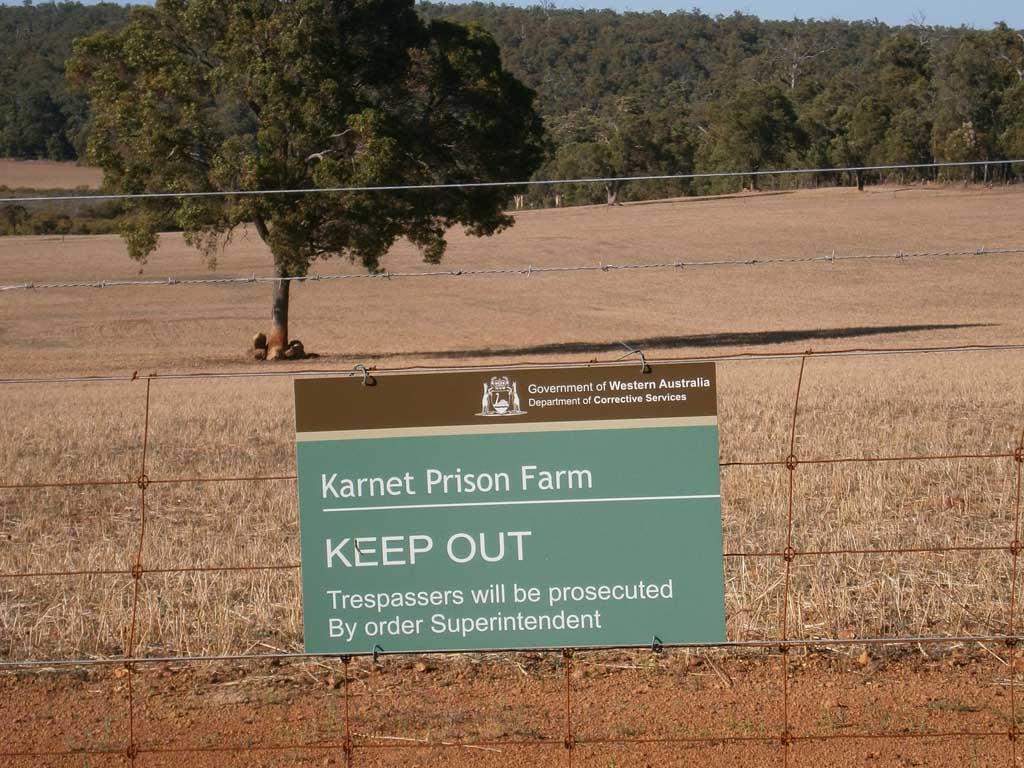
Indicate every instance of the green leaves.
{"type": "Point", "coordinates": [623, 141]}
{"type": "Point", "coordinates": [1011, 114]}
{"type": "Point", "coordinates": [267, 94]}
{"type": "Point", "coordinates": [752, 131]}
{"type": "Point", "coordinates": [38, 116]}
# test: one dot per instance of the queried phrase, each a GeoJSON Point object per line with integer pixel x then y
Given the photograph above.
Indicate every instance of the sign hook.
{"type": "Point", "coordinates": [368, 380]}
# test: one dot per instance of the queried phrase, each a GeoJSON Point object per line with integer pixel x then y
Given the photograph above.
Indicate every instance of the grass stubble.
{"type": "Point", "coordinates": [850, 408]}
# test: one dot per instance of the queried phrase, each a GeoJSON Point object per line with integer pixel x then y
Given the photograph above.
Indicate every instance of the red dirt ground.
{"type": "Point", "coordinates": [849, 710]}
{"type": "Point", "coordinates": [511, 711]}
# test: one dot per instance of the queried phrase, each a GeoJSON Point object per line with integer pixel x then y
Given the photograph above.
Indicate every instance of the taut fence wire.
{"type": "Point", "coordinates": [350, 743]}
{"type": "Point", "coordinates": [527, 271]}
{"type": "Point", "coordinates": [358, 370]}
{"type": "Point", "coordinates": [391, 188]}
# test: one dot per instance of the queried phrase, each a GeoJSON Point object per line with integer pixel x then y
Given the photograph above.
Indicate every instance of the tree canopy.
{"type": "Point", "coordinates": [861, 92]}
{"type": "Point", "coordinates": [39, 118]}
{"type": "Point", "coordinates": [201, 95]}
{"type": "Point", "coordinates": [753, 129]}
{"type": "Point", "coordinates": [844, 93]}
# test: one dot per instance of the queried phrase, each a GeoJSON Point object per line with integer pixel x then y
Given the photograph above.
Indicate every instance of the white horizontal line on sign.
{"type": "Point", "coordinates": [509, 427]}
{"type": "Point", "coordinates": [519, 503]}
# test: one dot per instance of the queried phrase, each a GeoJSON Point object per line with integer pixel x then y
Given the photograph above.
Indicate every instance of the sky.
{"type": "Point", "coordinates": [977, 13]}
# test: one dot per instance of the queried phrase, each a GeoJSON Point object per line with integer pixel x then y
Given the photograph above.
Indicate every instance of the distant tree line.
{"type": "Point", "coordinates": [78, 218]}
{"type": "Point", "coordinates": [653, 93]}
{"type": "Point", "coordinates": [39, 115]}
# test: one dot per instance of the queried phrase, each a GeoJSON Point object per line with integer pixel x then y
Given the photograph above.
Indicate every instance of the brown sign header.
{"type": "Point", "coordinates": [521, 395]}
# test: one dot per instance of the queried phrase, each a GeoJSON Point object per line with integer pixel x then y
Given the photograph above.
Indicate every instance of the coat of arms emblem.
{"type": "Point", "coordinates": [501, 398]}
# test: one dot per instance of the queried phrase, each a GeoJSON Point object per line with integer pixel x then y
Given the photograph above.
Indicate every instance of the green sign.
{"type": "Point", "coordinates": [532, 508]}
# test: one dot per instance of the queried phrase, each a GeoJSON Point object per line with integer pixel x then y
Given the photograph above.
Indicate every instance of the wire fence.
{"type": "Point", "coordinates": [351, 743]}
{"type": "Point", "coordinates": [462, 185]}
{"type": "Point", "coordinates": [527, 271]}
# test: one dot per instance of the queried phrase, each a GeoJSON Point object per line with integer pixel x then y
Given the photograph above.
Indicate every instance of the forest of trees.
{"type": "Point", "coordinates": [649, 93]}
{"type": "Point", "coordinates": [39, 116]}
{"type": "Point", "coordinates": [653, 93]}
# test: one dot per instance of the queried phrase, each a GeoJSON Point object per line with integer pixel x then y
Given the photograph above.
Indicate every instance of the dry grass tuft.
{"type": "Point", "coordinates": [854, 408]}
{"type": "Point", "coordinates": [47, 174]}
{"type": "Point", "coordinates": [850, 408]}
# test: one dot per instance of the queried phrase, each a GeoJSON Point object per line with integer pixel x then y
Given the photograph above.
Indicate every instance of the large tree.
{"type": "Point", "coordinates": [625, 141]}
{"type": "Point", "coordinates": [751, 131]}
{"type": "Point", "coordinates": [203, 95]}
{"type": "Point", "coordinates": [969, 89]}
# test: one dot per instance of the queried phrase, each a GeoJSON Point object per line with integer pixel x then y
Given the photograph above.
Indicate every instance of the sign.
{"type": "Point", "coordinates": [528, 508]}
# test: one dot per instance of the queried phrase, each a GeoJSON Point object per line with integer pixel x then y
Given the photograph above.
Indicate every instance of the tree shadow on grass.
{"type": "Point", "coordinates": [696, 341]}
{"type": "Point", "coordinates": [744, 196]}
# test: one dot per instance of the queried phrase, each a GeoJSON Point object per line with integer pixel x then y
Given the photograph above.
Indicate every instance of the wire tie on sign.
{"type": "Point", "coordinates": [680, 265]}
{"type": "Point", "coordinates": [604, 267]}
{"type": "Point", "coordinates": [656, 645]}
{"type": "Point", "coordinates": [569, 743]}
{"type": "Point", "coordinates": [1015, 547]}
{"type": "Point", "coordinates": [135, 376]}
{"type": "Point", "coordinates": [377, 651]}
{"type": "Point", "coordinates": [529, 270]}
{"type": "Point", "coordinates": [368, 380]}
{"type": "Point", "coordinates": [137, 571]}
{"type": "Point", "coordinates": [789, 554]}
{"type": "Point", "coordinates": [1018, 454]}
{"type": "Point", "coordinates": [132, 752]}
{"type": "Point", "coordinates": [567, 653]}
{"type": "Point", "coordinates": [981, 251]}
{"type": "Point", "coordinates": [786, 737]}
{"type": "Point", "coordinates": [644, 367]}
{"type": "Point", "coordinates": [1011, 641]}
{"type": "Point", "coordinates": [792, 462]}
{"type": "Point", "coordinates": [171, 280]}
{"type": "Point", "coordinates": [1013, 733]}
{"type": "Point", "coordinates": [143, 481]}
{"type": "Point", "coordinates": [253, 278]}
{"type": "Point", "coordinates": [833, 258]}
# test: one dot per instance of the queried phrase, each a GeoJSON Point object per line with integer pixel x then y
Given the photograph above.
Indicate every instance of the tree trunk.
{"type": "Point", "coordinates": [612, 190]}
{"type": "Point", "coordinates": [754, 182]}
{"type": "Point", "coordinates": [860, 181]}
{"type": "Point", "coordinates": [277, 343]}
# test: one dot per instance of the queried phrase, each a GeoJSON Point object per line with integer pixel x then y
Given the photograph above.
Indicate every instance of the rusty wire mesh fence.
{"type": "Point", "coordinates": [562, 733]}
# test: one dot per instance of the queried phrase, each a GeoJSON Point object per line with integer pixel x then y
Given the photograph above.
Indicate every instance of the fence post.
{"type": "Point", "coordinates": [142, 482]}
{"type": "Point", "coordinates": [1011, 640]}
{"type": "Point", "coordinates": [786, 736]}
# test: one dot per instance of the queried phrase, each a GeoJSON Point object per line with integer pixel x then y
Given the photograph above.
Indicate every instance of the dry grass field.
{"type": "Point", "coordinates": [46, 174]}
{"type": "Point", "coordinates": [855, 408]}
{"type": "Point", "coordinates": [561, 316]}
